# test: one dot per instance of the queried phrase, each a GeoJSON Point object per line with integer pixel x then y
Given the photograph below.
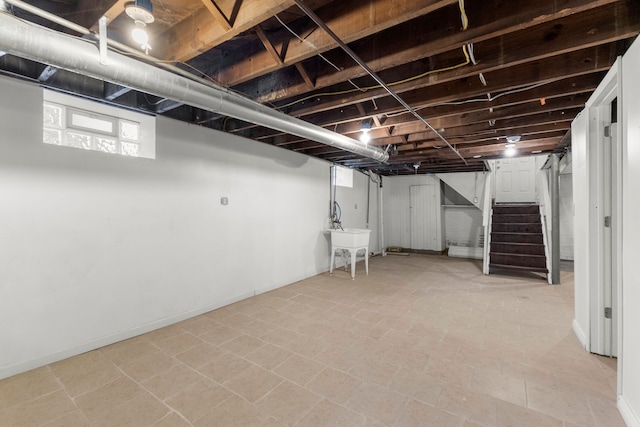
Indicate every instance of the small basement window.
{"type": "Point", "coordinates": [88, 125]}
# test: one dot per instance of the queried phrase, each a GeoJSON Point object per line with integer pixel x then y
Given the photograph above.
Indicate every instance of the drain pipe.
{"type": "Point", "coordinates": [31, 41]}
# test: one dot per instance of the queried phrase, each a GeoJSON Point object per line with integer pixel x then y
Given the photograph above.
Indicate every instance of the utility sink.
{"type": "Point", "coordinates": [352, 240]}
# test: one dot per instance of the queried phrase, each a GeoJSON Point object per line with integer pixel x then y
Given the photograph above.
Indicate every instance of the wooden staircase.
{"type": "Point", "coordinates": [517, 242]}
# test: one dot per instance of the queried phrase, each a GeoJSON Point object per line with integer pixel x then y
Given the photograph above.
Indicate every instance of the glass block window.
{"type": "Point", "coordinates": [88, 125]}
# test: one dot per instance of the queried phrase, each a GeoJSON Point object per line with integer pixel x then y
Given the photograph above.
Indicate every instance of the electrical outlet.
{"type": "Point", "coordinates": [224, 201]}
{"type": "Point", "coordinates": [475, 200]}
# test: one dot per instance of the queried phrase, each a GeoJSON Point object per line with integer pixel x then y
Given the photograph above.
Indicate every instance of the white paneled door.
{"type": "Point", "coordinates": [516, 180]}
{"type": "Point", "coordinates": [424, 217]}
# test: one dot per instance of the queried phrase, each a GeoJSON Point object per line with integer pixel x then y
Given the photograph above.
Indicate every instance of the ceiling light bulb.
{"type": "Point", "coordinates": [513, 138]}
{"type": "Point", "coordinates": [510, 152]}
{"type": "Point", "coordinates": [139, 34]}
{"type": "Point", "coordinates": [365, 137]}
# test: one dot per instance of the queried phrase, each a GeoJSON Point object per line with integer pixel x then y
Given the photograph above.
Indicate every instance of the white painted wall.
{"type": "Point", "coordinates": [629, 401]}
{"type": "Point", "coordinates": [581, 241]}
{"type": "Point", "coordinates": [96, 248]}
{"type": "Point", "coordinates": [566, 216]}
{"type": "Point", "coordinates": [462, 226]}
{"type": "Point", "coordinates": [397, 212]}
{"type": "Point", "coordinates": [468, 184]}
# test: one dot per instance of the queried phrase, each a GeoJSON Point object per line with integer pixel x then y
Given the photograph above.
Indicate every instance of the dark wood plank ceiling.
{"type": "Point", "coordinates": [477, 71]}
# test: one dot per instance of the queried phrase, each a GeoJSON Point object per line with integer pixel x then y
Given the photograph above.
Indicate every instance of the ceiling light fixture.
{"type": "Point", "coordinates": [536, 152]}
{"type": "Point", "coordinates": [141, 11]}
{"type": "Point", "coordinates": [365, 128]}
{"type": "Point", "coordinates": [477, 156]}
{"type": "Point", "coordinates": [513, 138]}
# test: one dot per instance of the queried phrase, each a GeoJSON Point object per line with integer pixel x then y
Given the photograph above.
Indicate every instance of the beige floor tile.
{"type": "Point", "coordinates": [288, 402]}
{"type": "Point", "coordinates": [198, 325]}
{"type": "Point", "coordinates": [97, 402]}
{"type": "Point", "coordinates": [177, 343]}
{"type": "Point", "coordinates": [299, 369]}
{"type": "Point", "coordinates": [374, 371]}
{"type": "Point", "coordinates": [149, 366]}
{"type": "Point", "coordinates": [476, 407]}
{"type": "Point", "coordinates": [510, 415]}
{"type": "Point", "coordinates": [226, 366]}
{"type": "Point", "coordinates": [144, 410]}
{"type": "Point", "coordinates": [171, 381]}
{"type": "Point", "coordinates": [605, 413]}
{"type": "Point", "coordinates": [253, 383]}
{"type": "Point", "coordinates": [334, 385]}
{"type": "Point", "coordinates": [172, 420]}
{"type": "Point", "coordinates": [418, 385]}
{"type": "Point", "coordinates": [328, 414]}
{"type": "Point", "coordinates": [306, 346]}
{"type": "Point", "coordinates": [268, 356]}
{"type": "Point", "coordinates": [36, 412]}
{"type": "Point", "coordinates": [28, 386]}
{"type": "Point", "coordinates": [200, 355]}
{"type": "Point", "coordinates": [377, 402]}
{"type": "Point", "coordinates": [448, 345]}
{"type": "Point", "coordinates": [243, 345]}
{"type": "Point", "coordinates": [564, 406]}
{"type": "Point", "coordinates": [197, 399]}
{"type": "Point", "coordinates": [499, 385]}
{"type": "Point", "coordinates": [128, 350]}
{"type": "Point", "coordinates": [71, 419]}
{"type": "Point", "coordinates": [85, 372]}
{"type": "Point", "coordinates": [235, 412]}
{"type": "Point", "coordinates": [418, 414]}
{"type": "Point", "coordinates": [220, 335]}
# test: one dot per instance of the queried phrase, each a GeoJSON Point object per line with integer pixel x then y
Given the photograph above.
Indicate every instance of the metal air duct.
{"type": "Point", "coordinates": [30, 41]}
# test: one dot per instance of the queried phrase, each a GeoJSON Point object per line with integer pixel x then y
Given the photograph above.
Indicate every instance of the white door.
{"type": "Point", "coordinates": [604, 313]}
{"type": "Point", "coordinates": [516, 180]}
{"type": "Point", "coordinates": [423, 217]}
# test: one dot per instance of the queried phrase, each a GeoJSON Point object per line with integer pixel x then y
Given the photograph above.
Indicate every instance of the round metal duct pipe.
{"type": "Point", "coordinates": [30, 41]}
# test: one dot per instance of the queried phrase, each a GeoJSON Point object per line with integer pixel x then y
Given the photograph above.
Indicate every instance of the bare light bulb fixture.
{"type": "Point", "coordinates": [365, 128]}
{"type": "Point", "coordinates": [141, 11]}
{"type": "Point", "coordinates": [510, 152]}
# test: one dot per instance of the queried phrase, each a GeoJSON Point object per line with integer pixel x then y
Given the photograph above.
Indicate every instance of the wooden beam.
{"type": "Point", "coordinates": [305, 76]}
{"type": "Point", "coordinates": [217, 14]}
{"type": "Point", "coordinates": [267, 45]}
{"type": "Point", "coordinates": [110, 9]}
{"type": "Point", "coordinates": [387, 49]}
{"type": "Point", "coordinates": [350, 19]}
{"type": "Point", "coordinates": [195, 35]}
{"type": "Point", "coordinates": [504, 80]}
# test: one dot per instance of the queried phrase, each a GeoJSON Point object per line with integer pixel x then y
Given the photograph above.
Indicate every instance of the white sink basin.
{"type": "Point", "coordinates": [352, 240]}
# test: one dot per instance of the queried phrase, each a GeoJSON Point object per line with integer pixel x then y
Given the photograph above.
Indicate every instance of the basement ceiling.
{"type": "Point", "coordinates": [475, 71]}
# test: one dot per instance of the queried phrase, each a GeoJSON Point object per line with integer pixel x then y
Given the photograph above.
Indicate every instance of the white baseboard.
{"type": "Point", "coordinates": [582, 337]}
{"type": "Point", "coordinates": [18, 368]}
{"type": "Point", "coordinates": [629, 416]}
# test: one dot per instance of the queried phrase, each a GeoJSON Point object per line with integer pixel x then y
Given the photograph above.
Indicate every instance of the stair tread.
{"type": "Point", "coordinates": [519, 255]}
{"type": "Point", "coordinates": [519, 243]}
{"type": "Point", "coordinates": [516, 232]}
{"type": "Point", "coordinates": [519, 267]}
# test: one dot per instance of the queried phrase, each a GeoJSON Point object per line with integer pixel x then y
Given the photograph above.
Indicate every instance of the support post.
{"type": "Point", "coordinates": [555, 220]}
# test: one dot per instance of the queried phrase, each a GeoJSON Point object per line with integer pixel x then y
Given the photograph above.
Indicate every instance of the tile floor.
{"type": "Point", "coordinates": [422, 341]}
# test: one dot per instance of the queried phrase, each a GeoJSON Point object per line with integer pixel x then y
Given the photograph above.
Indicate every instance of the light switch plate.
{"type": "Point", "coordinates": [224, 201]}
